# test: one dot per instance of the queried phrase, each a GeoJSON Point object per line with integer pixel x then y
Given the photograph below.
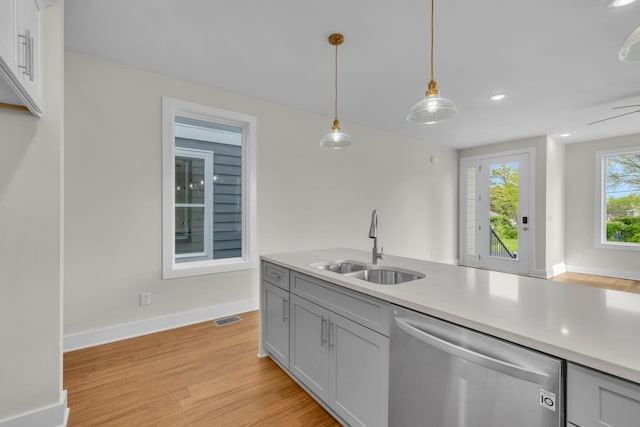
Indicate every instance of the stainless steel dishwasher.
{"type": "Point", "coordinates": [444, 375]}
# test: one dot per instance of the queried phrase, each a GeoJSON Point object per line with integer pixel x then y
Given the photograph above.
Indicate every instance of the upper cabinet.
{"type": "Point", "coordinates": [20, 71]}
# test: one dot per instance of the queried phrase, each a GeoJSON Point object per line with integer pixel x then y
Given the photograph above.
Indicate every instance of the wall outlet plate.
{"type": "Point", "coordinates": [145, 298]}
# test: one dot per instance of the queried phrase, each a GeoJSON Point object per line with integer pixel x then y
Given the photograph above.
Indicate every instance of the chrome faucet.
{"type": "Point", "coordinates": [373, 234]}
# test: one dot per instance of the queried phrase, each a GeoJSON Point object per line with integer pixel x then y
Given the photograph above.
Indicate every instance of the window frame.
{"type": "Point", "coordinates": [172, 108]}
{"type": "Point", "coordinates": [207, 157]}
{"type": "Point", "coordinates": [600, 228]}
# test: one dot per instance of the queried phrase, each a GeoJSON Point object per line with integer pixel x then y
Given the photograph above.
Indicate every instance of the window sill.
{"type": "Point", "coordinates": [200, 268]}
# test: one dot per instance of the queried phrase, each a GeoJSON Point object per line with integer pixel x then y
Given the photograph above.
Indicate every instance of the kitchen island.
{"type": "Point", "coordinates": [592, 327]}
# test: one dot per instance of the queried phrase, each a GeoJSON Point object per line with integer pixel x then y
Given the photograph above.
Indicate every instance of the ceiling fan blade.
{"type": "Point", "coordinates": [626, 106]}
{"type": "Point", "coordinates": [614, 117]}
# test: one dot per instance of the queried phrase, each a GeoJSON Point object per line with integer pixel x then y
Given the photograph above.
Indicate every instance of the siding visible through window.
{"type": "Point", "coordinates": [227, 195]}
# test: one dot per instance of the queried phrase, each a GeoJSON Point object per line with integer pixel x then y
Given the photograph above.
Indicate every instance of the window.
{"type": "Point", "coordinates": [618, 186]}
{"type": "Point", "coordinates": [208, 190]}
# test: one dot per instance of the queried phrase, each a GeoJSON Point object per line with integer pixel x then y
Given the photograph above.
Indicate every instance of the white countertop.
{"type": "Point", "coordinates": [599, 328]}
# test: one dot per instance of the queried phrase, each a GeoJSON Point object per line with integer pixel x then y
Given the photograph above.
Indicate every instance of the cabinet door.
{"type": "Point", "coordinates": [28, 48]}
{"type": "Point", "coordinates": [7, 31]}
{"type": "Point", "coordinates": [595, 399]}
{"type": "Point", "coordinates": [308, 357]}
{"type": "Point", "coordinates": [359, 373]}
{"type": "Point", "coordinates": [8, 65]}
{"type": "Point", "coordinates": [276, 323]}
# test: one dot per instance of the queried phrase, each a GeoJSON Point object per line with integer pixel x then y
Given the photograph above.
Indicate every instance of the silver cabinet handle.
{"type": "Point", "coordinates": [332, 337]}
{"type": "Point", "coordinates": [31, 67]}
{"type": "Point", "coordinates": [28, 54]}
{"type": "Point", "coordinates": [285, 309]}
{"type": "Point", "coordinates": [323, 334]}
{"type": "Point", "coordinates": [472, 356]}
{"type": "Point", "coordinates": [25, 67]}
{"type": "Point", "coordinates": [273, 275]}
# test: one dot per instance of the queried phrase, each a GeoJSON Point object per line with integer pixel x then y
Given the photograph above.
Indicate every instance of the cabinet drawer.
{"type": "Point", "coordinates": [594, 398]}
{"type": "Point", "coordinates": [275, 275]}
{"type": "Point", "coordinates": [363, 309]}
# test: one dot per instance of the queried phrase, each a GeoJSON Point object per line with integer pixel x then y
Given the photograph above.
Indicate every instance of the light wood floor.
{"type": "Point", "coordinates": [600, 281]}
{"type": "Point", "coordinates": [199, 375]}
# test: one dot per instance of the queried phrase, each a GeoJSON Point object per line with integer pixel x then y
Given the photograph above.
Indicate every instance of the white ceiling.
{"type": "Point", "coordinates": [557, 60]}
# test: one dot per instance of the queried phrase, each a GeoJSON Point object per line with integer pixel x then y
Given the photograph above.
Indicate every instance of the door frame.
{"type": "Point", "coordinates": [474, 161]}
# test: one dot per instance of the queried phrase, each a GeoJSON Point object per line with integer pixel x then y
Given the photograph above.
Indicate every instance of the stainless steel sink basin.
{"type": "Point", "coordinates": [343, 267]}
{"type": "Point", "coordinates": [370, 273]}
{"type": "Point", "coordinates": [387, 276]}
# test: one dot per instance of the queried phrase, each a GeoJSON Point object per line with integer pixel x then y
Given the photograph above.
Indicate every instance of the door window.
{"type": "Point", "coordinates": [495, 222]}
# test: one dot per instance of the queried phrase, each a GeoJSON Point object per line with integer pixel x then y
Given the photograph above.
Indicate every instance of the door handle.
{"type": "Point", "coordinates": [273, 275]}
{"type": "Point", "coordinates": [285, 309]}
{"type": "Point", "coordinates": [323, 332]}
{"type": "Point", "coordinates": [480, 359]}
{"type": "Point", "coordinates": [332, 337]}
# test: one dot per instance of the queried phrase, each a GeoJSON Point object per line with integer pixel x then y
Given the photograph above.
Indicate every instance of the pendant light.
{"type": "Point", "coordinates": [432, 108]}
{"type": "Point", "coordinates": [630, 51]}
{"type": "Point", "coordinates": [336, 138]}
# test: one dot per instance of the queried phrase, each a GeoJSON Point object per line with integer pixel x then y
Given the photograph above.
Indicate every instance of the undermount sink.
{"type": "Point", "coordinates": [343, 267]}
{"type": "Point", "coordinates": [387, 276]}
{"type": "Point", "coordinates": [372, 274]}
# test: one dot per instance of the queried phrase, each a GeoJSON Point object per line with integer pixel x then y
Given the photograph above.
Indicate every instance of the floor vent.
{"type": "Point", "coordinates": [227, 320]}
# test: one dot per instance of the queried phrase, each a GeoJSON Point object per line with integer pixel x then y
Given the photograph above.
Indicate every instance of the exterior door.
{"type": "Point", "coordinates": [496, 221]}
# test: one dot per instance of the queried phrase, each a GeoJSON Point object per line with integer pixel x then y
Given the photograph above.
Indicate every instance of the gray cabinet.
{"type": "Point", "coordinates": [309, 350]}
{"type": "Point", "coordinates": [276, 275]}
{"type": "Point", "coordinates": [595, 399]}
{"type": "Point", "coordinates": [275, 318]}
{"type": "Point", "coordinates": [274, 312]}
{"type": "Point", "coordinates": [20, 53]}
{"type": "Point", "coordinates": [345, 364]}
{"type": "Point", "coordinates": [358, 373]}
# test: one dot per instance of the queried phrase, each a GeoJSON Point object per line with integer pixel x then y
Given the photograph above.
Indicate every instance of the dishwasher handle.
{"type": "Point", "coordinates": [472, 356]}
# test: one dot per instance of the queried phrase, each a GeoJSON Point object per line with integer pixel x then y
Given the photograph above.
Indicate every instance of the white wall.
{"type": "Point", "coordinates": [307, 197]}
{"type": "Point", "coordinates": [581, 254]}
{"type": "Point", "coordinates": [555, 207]}
{"type": "Point", "coordinates": [31, 240]}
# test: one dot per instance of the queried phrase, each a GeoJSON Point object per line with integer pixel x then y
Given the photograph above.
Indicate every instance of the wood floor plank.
{"type": "Point", "coordinates": [199, 375]}
{"type": "Point", "coordinates": [599, 281]}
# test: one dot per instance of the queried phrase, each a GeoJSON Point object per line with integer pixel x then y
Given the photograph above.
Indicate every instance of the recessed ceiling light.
{"type": "Point", "coordinates": [498, 97]}
{"type": "Point", "coordinates": [620, 3]}
{"type": "Point", "coordinates": [564, 135]}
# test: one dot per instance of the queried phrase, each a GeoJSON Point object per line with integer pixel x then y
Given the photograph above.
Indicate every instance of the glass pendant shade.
{"type": "Point", "coordinates": [432, 109]}
{"type": "Point", "coordinates": [630, 51]}
{"type": "Point", "coordinates": [335, 139]}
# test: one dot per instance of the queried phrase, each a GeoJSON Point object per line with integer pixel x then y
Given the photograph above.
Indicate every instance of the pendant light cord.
{"type": "Point", "coordinates": [336, 97]}
{"type": "Point", "coordinates": [432, 7]}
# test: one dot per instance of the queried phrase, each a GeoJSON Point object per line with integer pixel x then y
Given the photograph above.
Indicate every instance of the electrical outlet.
{"type": "Point", "coordinates": [145, 298]}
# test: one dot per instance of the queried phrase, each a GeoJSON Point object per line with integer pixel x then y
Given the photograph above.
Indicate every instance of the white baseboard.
{"type": "Point", "coordinates": [54, 415]}
{"type": "Point", "coordinates": [553, 271]}
{"type": "Point", "coordinates": [558, 269]}
{"type": "Point", "coordinates": [632, 275]}
{"type": "Point", "coordinates": [144, 327]}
